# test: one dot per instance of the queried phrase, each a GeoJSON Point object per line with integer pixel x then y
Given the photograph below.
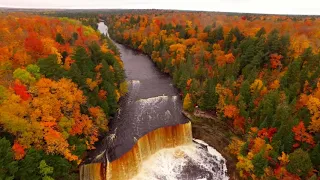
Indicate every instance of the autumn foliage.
{"type": "Point", "coordinates": [259, 73]}
{"type": "Point", "coordinates": [55, 95]}
{"type": "Point", "coordinates": [300, 135]}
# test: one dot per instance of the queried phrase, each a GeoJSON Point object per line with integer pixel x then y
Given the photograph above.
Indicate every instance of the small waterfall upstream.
{"type": "Point", "coordinates": [149, 137]}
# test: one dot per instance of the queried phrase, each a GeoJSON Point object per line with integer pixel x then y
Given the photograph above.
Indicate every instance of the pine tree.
{"type": "Point", "coordinates": [267, 108]}
{"type": "Point", "coordinates": [75, 74]}
{"type": "Point", "coordinates": [282, 114]}
{"type": "Point", "coordinates": [210, 97]}
{"type": "Point", "coordinates": [219, 33]}
{"type": "Point", "coordinates": [315, 156]}
{"type": "Point", "coordinates": [261, 32]}
{"type": "Point", "coordinates": [84, 62]}
{"type": "Point", "coordinates": [273, 41]}
{"type": "Point", "coordinates": [59, 39]}
{"type": "Point", "coordinates": [8, 167]}
{"type": "Point", "coordinates": [259, 163]}
{"type": "Point", "coordinates": [228, 41]}
{"type": "Point", "coordinates": [285, 136]}
{"type": "Point", "coordinates": [29, 165]}
{"type": "Point", "coordinates": [95, 53]}
{"type": "Point", "coordinates": [45, 170]}
{"type": "Point", "coordinates": [299, 163]}
{"type": "Point", "coordinates": [118, 73]}
{"type": "Point", "coordinates": [245, 92]}
{"type": "Point", "coordinates": [50, 67]}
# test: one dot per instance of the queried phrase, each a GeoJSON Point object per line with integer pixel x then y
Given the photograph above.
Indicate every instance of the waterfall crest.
{"type": "Point", "coordinates": [128, 165]}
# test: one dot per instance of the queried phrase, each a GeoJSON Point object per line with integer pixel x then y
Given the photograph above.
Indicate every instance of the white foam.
{"type": "Point", "coordinates": [135, 87]}
{"type": "Point", "coordinates": [167, 114]}
{"type": "Point", "coordinates": [153, 99]}
{"type": "Point", "coordinates": [135, 84]}
{"type": "Point", "coordinates": [103, 29]}
{"type": "Point", "coordinates": [99, 156]}
{"type": "Point", "coordinates": [169, 163]}
{"type": "Point", "coordinates": [174, 98]}
{"type": "Point", "coordinates": [211, 150]}
{"type": "Point", "coordinates": [113, 136]}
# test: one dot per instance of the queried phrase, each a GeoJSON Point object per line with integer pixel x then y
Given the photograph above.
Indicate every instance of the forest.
{"type": "Point", "coordinates": [61, 80]}
{"type": "Point", "coordinates": [257, 73]}
{"type": "Point", "coordinates": [60, 83]}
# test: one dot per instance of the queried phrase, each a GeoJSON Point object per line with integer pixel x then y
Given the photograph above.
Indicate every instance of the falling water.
{"type": "Point", "coordinates": [149, 137]}
{"type": "Point", "coordinates": [188, 161]}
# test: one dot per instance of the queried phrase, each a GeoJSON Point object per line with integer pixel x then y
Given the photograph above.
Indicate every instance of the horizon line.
{"type": "Point", "coordinates": [116, 8]}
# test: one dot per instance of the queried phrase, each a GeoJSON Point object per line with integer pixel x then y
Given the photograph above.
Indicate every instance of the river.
{"type": "Point", "coordinates": [152, 103]}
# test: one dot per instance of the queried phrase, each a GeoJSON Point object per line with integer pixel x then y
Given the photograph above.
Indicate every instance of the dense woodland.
{"type": "Point", "coordinates": [258, 73]}
{"type": "Point", "coordinates": [60, 82]}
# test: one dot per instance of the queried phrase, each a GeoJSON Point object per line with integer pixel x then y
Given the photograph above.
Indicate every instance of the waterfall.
{"type": "Point", "coordinates": [129, 165]}
{"type": "Point", "coordinates": [149, 138]}
{"type": "Point", "coordinates": [177, 163]}
{"type": "Point", "coordinates": [165, 153]}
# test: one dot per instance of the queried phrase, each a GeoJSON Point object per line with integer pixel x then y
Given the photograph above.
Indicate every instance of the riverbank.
{"type": "Point", "coordinates": [216, 133]}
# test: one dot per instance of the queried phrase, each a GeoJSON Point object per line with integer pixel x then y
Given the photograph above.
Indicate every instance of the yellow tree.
{"type": "Point", "coordinates": [187, 103]}
{"type": "Point", "coordinates": [256, 86]}
{"type": "Point", "coordinates": [314, 106]}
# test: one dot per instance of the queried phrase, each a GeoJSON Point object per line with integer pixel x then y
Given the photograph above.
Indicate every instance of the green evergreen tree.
{"type": "Point", "coordinates": [290, 82]}
{"type": "Point", "coordinates": [62, 168]}
{"type": "Point", "coordinates": [228, 41]}
{"type": "Point", "coordinates": [261, 32]}
{"type": "Point", "coordinates": [273, 41]}
{"type": "Point", "coordinates": [245, 92]}
{"type": "Point", "coordinates": [315, 156]}
{"type": "Point", "coordinates": [210, 97]}
{"type": "Point", "coordinates": [260, 163]}
{"type": "Point", "coordinates": [299, 163]}
{"type": "Point", "coordinates": [119, 74]}
{"type": "Point", "coordinates": [84, 62]}
{"type": "Point", "coordinates": [50, 67]}
{"type": "Point", "coordinates": [8, 167]}
{"type": "Point", "coordinates": [59, 39]}
{"type": "Point", "coordinates": [95, 53]}
{"type": "Point", "coordinates": [219, 33]}
{"type": "Point", "coordinates": [75, 74]}
{"type": "Point", "coordinates": [282, 114]}
{"type": "Point", "coordinates": [75, 36]}
{"type": "Point", "coordinates": [267, 108]}
{"type": "Point", "coordinates": [29, 165]}
{"type": "Point", "coordinates": [111, 98]}
{"type": "Point", "coordinates": [285, 136]}
{"type": "Point", "coordinates": [45, 170]}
